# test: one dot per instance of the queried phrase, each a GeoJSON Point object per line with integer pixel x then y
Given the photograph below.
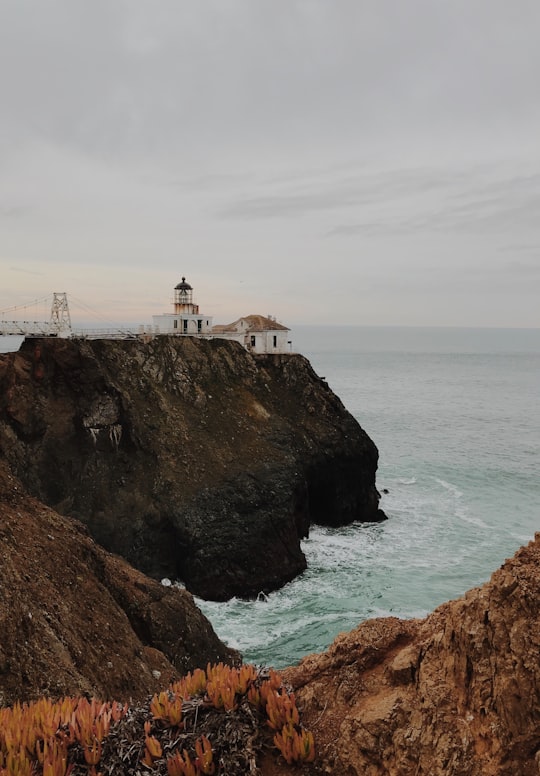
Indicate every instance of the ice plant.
{"type": "Point", "coordinates": [221, 686]}
{"type": "Point", "coordinates": [205, 757]}
{"type": "Point", "coordinates": [153, 750]}
{"type": "Point", "coordinates": [35, 738]}
{"type": "Point", "coordinates": [247, 675]}
{"type": "Point", "coordinates": [270, 684]}
{"type": "Point", "coordinates": [167, 707]}
{"type": "Point", "coordinates": [281, 710]}
{"type": "Point", "coordinates": [47, 738]}
{"type": "Point", "coordinates": [305, 746]}
{"type": "Point", "coordinates": [180, 765]}
{"type": "Point", "coordinates": [295, 745]}
{"type": "Point", "coordinates": [91, 721]}
{"type": "Point", "coordinates": [92, 752]}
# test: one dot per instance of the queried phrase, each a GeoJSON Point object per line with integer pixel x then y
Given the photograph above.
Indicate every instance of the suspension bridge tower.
{"type": "Point", "coordinates": [60, 320]}
{"type": "Point", "coordinates": [58, 325]}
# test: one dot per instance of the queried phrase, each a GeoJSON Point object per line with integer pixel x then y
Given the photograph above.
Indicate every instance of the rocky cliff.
{"type": "Point", "coordinates": [455, 694]}
{"type": "Point", "coordinates": [190, 458]}
{"type": "Point", "coordinates": [75, 619]}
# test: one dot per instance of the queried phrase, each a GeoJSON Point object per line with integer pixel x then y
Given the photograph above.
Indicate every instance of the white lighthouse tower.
{"type": "Point", "coordinates": [186, 318]}
{"type": "Point", "coordinates": [183, 299]}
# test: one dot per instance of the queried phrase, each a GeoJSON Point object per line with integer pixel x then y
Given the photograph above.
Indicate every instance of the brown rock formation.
{"type": "Point", "coordinates": [75, 619]}
{"type": "Point", "coordinates": [457, 693]}
{"type": "Point", "coordinates": [190, 458]}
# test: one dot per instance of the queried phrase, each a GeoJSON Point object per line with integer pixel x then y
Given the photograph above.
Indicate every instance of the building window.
{"type": "Point", "coordinates": [185, 325]}
{"type": "Point", "coordinates": [199, 326]}
{"type": "Point", "coordinates": [175, 323]}
{"type": "Point", "coordinates": [275, 340]}
{"type": "Point", "coordinates": [253, 340]}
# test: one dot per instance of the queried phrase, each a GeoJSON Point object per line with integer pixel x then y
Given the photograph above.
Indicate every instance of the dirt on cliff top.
{"type": "Point", "coordinates": [454, 694]}
{"type": "Point", "coordinates": [76, 619]}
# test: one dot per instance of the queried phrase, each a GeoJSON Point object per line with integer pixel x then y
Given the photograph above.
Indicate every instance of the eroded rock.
{"type": "Point", "coordinates": [190, 458]}
{"type": "Point", "coordinates": [75, 619]}
{"type": "Point", "coordinates": [457, 693]}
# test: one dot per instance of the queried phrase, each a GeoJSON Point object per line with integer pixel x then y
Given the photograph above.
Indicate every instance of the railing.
{"type": "Point", "coordinates": [142, 331]}
{"type": "Point", "coordinates": [46, 329]}
{"type": "Point", "coordinates": [43, 328]}
{"type": "Point", "coordinates": [103, 334]}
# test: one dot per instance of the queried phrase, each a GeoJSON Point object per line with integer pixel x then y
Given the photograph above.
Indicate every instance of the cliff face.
{"type": "Point", "coordinates": [75, 619]}
{"type": "Point", "coordinates": [456, 693]}
{"type": "Point", "coordinates": [190, 458]}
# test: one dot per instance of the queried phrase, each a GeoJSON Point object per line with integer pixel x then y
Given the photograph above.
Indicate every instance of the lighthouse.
{"type": "Point", "coordinates": [183, 299]}
{"type": "Point", "coordinates": [186, 318]}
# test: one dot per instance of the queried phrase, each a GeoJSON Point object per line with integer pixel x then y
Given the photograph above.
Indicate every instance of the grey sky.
{"type": "Point", "coordinates": [346, 161]}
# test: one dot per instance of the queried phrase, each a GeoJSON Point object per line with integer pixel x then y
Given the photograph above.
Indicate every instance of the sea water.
{"type": "Point", "coordinates": [455, 414]}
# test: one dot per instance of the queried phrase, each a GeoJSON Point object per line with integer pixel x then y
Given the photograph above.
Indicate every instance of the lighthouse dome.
{"type": "Point", "coordinates": [183, 286]}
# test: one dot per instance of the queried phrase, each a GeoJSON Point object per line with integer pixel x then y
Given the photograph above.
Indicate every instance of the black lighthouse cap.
{"type": "Point", "coordinates": [183, 286]}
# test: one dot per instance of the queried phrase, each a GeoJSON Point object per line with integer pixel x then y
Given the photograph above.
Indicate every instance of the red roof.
{"type": "Point", "coordinates": [252, 323]}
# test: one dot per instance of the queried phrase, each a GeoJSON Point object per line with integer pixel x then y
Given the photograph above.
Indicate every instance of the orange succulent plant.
{"type": "Point", "coordinates": [180, 765]}
{"type": "Point", "coordinates": [167, 707]}
{"type": "Point", "coordinates": [205, 756]}
{"type": "Point", "coordinates": [35, 737]}
{"type": "Point", "coordinates": [45, 738]}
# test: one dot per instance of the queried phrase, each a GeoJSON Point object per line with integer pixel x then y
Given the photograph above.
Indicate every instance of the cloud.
{"type": "Point", "coordinates": [280, 76]}
{"type": "Point", "coordinates": [26, 271]}
{"type": "Point", "coordinates": [12, 211]}
{"type": "Point", "coordinates": [524, 269]}
{"type": "Point", "coordinates": [480, 202]}
{"type": "Point", "coordinates": [312, 149]}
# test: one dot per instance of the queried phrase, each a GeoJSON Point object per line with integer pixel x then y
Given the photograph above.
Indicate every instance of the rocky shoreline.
{"type": "Point", "coordinates": [220, 462]}
{"type": "Point", "coordinates": [190, 458]}
{"type": "Point", "coordinates": [454, 694]}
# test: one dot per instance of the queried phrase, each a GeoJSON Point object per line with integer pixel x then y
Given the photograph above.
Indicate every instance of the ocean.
{"type": "Point", "coordinates": [455, 414]}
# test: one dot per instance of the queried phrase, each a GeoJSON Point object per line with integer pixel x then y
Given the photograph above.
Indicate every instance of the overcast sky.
{"type": "Point", "coordinates": [338, 161]}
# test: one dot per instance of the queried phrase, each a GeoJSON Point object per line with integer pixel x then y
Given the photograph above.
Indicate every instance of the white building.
{"type": "Point", "coordinates": [186, 318]}
{"type": "Point", "coordinates": [257, 333]}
